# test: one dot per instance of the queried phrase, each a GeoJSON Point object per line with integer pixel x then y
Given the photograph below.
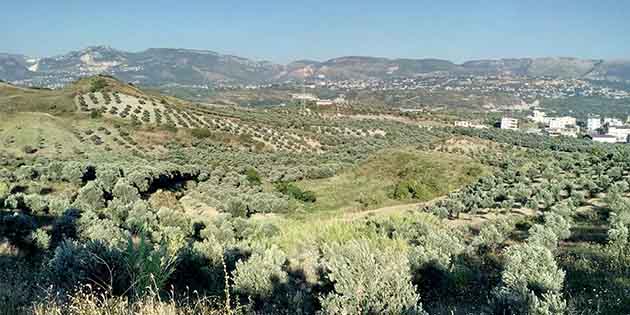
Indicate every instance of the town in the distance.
{"type": "Point", "coordinates": [596, 128]}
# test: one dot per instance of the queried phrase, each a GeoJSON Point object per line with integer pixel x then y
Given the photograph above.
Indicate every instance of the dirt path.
{"type": "Point", "coordinates": [465, 219]}
{"type": "Point", "coordinates": [382, 211]}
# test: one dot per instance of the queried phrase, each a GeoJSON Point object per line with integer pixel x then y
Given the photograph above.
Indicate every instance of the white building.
{"type": "Point", "coordinates": [593, 123]}
{"type": "Point", "coordinates": [561, 122]}
{"type": "Point", "coordinates": [605, 139]}
{"type": "Point", "coordinates": [509, 123]}
{"type": "Point", "coordinates": [613, 122]}
{"type": "Point", "coordinates": [565, 132]}
{"type": "Point", "coordinates": [325, 103]}
{"type": "Point", "coordinates": [538, 116]}
{"type": "Point", "coordinates": [620, 133]}
{"type": "Point", "coordinates": [304, 97]}
{"type": "Point", "coordinates": [463, 123]}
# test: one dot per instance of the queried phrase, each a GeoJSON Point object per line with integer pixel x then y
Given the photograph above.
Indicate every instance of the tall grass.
{"type": "Point", "coordinates": [88, 302]}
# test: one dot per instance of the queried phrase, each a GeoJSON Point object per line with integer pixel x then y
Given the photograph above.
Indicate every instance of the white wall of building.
{"type": "Point", "coordinates": [613, 122]}
{"type": "Point", "coordinates": [561, 122]}
{"type": "Point", "coordinates": [593, 123]}
{"type": "Point", "coordinates": [605, 139]}
{"type": "Point", "coordinates": [621, 133]}
{"type": "Point", "coordinates": [509, 123]}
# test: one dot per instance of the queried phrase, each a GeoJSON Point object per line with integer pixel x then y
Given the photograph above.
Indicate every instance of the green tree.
{"type": "Point", "coordinates": [257, 276]}
{"type": "Point", "coordinates": [90, 197]}
{"type": "Point", "coordinates": [530, 270]}
{"type": "Point", "coordinates": [369, 279]}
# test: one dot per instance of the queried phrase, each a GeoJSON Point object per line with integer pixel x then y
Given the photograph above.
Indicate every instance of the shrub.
{"type": "Point", "coordinates": [125, 192]}
{"type": "Point", "coordinates": [91, 263]}
{"type": "Point", "coordinates": [266, 203]}
{"type": "Point", "coordinates": [15, 201]}
{"type": "Point", "coordinates": [141, 220]}
{"type": "Point", "coordinates": [58, 205]}
{"type": "Point", "coordinates": [173, 218]}
{"type": "Point", "coordinates": [105, 231]}
{"type": "Point", "coordinates": [26, 172]}
{"type": "Point", "coordinates": [493, 234]}
{"type": "Point", "coordinates": [90, 197]}
{"type": "Point", "coordinates": [236, 207]}
{"type": "Point", "coordinates": [73, 172]}
{"type": "Point", "coordinates": [369, 279]}
{"type": "Point", "coordinates": [108, 176]}
{"type": "Point", "coordinates": [558, 224]}
{"type": "Point", "coordinates": [260, 274]}
{"type": "Point", "coordinates": [530, 270]}
{"type": "Point", "coordinates": [436, 248]}
{"type": "Point", "coordinates": [141, 179]}
{"type": "Point", "coordinates": [200, 133]}
{"type": "Point", "coordinates": [543, 236]}
{"type": "Point", "coordinates": [41, 239]}
{"type": "Point", "coordinates": [547, 304]}
{"type": "Point", "coordinates": [252, 176]}
{"type": "Point", "coordinates": [296, 192]}
{"type": "Point", "coordinates": [97, 85]}
{"type": "Point", "coordinates": [29, 149]}
{"type": "Point", "coordinates": [4, 191]}
{"type": "Point", "coordinates": [37, 203]}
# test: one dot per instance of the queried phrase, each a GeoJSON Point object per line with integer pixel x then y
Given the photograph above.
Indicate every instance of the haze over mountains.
{"type": "Point", "coordinates": [165, 66]}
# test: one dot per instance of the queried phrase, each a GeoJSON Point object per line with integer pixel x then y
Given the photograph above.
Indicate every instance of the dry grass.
{"type": "Point", "coordinates": [374, 179]}
{"type": "Point", "coordinates": [87, 302]}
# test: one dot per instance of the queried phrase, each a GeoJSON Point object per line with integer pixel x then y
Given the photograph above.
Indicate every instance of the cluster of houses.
{"type": "Point", "coordinates": [556, 126]}
{"type": "Point", "coordinates": [607, 129]}
{"type": "Point", "coordinates": [308, 97]}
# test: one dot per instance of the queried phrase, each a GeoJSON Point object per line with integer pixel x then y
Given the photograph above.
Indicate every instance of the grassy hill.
{"type": "Point", "coordinates": [386, 178]}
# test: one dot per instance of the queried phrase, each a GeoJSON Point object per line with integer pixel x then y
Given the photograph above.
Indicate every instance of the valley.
{"type": "Point", "coordinates": [102, 169]}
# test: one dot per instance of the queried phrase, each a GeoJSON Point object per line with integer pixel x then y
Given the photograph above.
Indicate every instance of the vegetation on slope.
{"type": "Point", "coordinates": [392, 177]}
{"type": "Point", "coordinates": [168, 223]}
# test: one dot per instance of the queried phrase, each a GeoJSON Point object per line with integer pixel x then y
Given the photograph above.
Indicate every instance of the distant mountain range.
{"type": "Point", "coordinates": [165, 66]}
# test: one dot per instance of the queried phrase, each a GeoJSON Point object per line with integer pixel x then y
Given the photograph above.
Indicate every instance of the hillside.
{"type": "Point", "coordinates": [186, 67]}
{"type": "Point", "coordinates": [103, 111]}
{"type": "Point", "coordinates": [116, 200]}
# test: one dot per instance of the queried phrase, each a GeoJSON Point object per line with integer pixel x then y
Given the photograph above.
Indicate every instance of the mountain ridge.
{"type": "Point", "coordinates": [162, 66]}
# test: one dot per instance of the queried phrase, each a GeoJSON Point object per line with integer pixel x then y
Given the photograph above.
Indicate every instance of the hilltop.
{"type": "Point", "coordinates": [172, 67]}
{"type": "Point", "coordinates": [101, 113]}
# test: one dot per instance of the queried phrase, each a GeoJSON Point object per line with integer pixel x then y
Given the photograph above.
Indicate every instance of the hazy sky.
{"type": "Point", "coordinates": [282, 31]}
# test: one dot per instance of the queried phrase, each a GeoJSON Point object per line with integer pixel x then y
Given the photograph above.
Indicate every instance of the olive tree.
{"type": "Point", "coordinates": [257, 276]}
{"type": "Point", "coordinates": [90, 197]}
{"type": "Point", "coordinates": [530, 271]}
{"type": "Point", "coordinates": [369, 279]}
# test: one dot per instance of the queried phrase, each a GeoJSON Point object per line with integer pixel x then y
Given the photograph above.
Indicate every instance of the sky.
{"type": "Point", "coordinates": [286, 30]}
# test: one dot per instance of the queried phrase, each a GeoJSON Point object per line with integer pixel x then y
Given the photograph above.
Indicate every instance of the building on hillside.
{"type": "Point", "coordinates": [509, 123]}
{"type": "Point", "coordinates": [562, 122]}
{"type": "Point", "coordinates": [340, 100]}
{"type": "Point", "coordinates": [533, 131]}
{"type": "Point", "coordinates": [593, 123]}
{"type": "Point", "coordinates": [538, 117]}
{"type": "Point", "coordinates": [469, 124]}
{"type": "Point", "coordinates": [604, 138]}
{"type": "Point", "coordinates": [410, 110]}
{"type": "Point", "coordinates": [463, 123]}
{"type": "Point", "coordinates": [612, 122]}
{"type": "Point", "coordinates": [621, 133]}
{"type": "Point", "coordinates": [325, 103]}
{"type": "Point", "coordinates": [304, 97]}
{"type": "Point", "coordinates": [565, 132]}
